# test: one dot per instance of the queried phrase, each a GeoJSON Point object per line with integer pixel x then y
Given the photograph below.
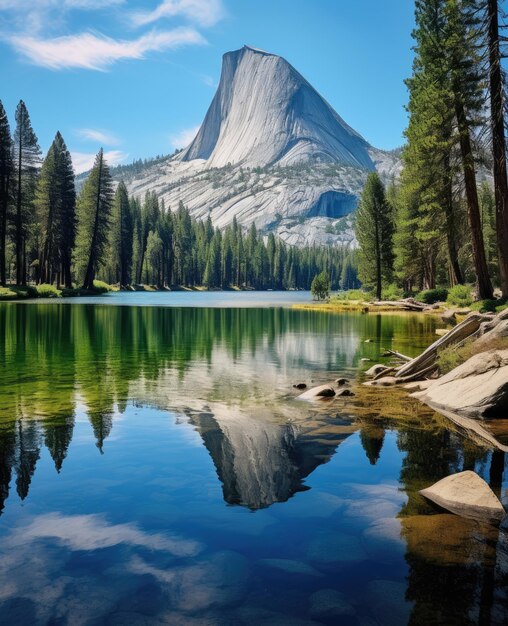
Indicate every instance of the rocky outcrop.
{"type": "Point", "coordinates": [468, 495]}
{"type": "Point", "coordinates": [264, 112]}
{"type": "Point", "coordinates": [271, 151]}
{"type": "Point", "coordinates": [477, 388]}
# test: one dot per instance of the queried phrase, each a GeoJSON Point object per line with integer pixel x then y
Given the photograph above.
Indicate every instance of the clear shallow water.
{"type": "Point", "coordinates": [207, 299]}
{"type": "Point", "coordinates": [156, 469]}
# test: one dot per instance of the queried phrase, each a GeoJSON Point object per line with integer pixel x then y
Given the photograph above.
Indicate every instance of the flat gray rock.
{"type": "Point", "coordinates": [468, 495]}
{"type": "Point", "coordinates": [477, 388]}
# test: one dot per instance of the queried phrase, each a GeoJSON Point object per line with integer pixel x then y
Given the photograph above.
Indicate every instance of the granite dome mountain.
{"type": "Point", "coordinates": [271, 151]}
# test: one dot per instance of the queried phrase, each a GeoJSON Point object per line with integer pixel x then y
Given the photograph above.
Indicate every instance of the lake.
{"type": "Point", "coordinates": [156, 468]}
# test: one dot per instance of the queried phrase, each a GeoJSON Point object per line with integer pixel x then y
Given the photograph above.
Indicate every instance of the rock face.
{"type": "Point", "coordinates": [271, 151]}
{"type": "Point", "coordinates": [468, 495]}
{"type": "Point", "coordinates": [477, 388]}
{"type": "Point", "coordinates": [264, 113]}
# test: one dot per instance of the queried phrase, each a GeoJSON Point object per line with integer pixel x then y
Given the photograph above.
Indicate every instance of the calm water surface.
{"type": "Point", "coordinates": [155, 468]}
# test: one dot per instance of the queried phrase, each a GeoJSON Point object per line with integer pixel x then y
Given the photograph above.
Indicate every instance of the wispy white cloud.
{"type": "Point", "coordinates": [83, 161]}
{"type": "Point", "coordinates": [209, 81]}
{"type": "Point", "coordinates": [33, 16]}
{"type": "Point", "coordinates": [202, 12]}
{"type": "Point", "coordinates": [183, 138]}
{"type": "Point", "coordinates": [98, 52]}
{"type": "Point", "coordinates": [99, 136]}
{"type": "Point", "coordinates": [93, 532]}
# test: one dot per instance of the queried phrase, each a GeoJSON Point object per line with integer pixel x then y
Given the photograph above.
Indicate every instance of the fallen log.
{"type": "Point", "coordinates": [410, 305]}
{"type": "Point", "coordinates": [400, 356]}
{"type": "Point", "coordinates": [466, 329]}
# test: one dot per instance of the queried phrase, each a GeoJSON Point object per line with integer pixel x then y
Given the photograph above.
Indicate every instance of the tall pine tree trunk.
{"type": "Point", "coordinates": [484, 285]}
{"type": "Point", "coordinates": [456, 277]}
{"type": "Point", "coordinates": [378, 259]}
{"type": "Point", "coordinates": [498, 143]}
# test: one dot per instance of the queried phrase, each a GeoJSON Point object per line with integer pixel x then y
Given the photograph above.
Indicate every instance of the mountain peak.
{"type": "Point", "coordinates": [265, 113]}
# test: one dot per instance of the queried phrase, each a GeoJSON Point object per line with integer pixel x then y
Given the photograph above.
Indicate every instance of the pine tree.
{"type": "Point", "coordinates": [94, 214]}
{"type": "Point", "coordinates": [374, 231]}
{"type": "Point", "coordinates": [497, 121]}
{"type": "Point", "coordinates": [466, 86]}
{"type": "Point", "coordinates": [121, 236]}
{"type": "Point", "coordinates": [5, 187]}
{"type": "Point", "coordinates": [428, 173]}
{"type": "Point", "coordinates": [55, 205]}
{"type": "Point", "coordinates": [26, 160]}
{"type": "Point", "coordinates": [46, 212]}
{"type": "Point", "coordinates": [66, 235]}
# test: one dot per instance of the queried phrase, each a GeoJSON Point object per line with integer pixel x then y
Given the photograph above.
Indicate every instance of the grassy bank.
{"type": "Point", "coordinates": [32, 292]}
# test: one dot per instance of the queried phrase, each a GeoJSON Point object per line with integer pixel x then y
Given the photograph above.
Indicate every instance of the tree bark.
{"type": "Point", "coordinates": [456, 277]}
{"type": "Point", "coordinates": [484, 285]}
{"type": "Point", "coordinates": [378, 261]}
{"type": "Point", "coordinates": [498, 143]}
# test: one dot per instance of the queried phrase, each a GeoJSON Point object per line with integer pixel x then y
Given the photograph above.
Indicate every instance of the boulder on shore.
{"type": "Point", "coordinates": [377, 369]}
{"type": "Point", "coordinates": [317, 393]}
{"type": "Point", "coordinates": [449, 317]}
{"type": "Point", "coordinates": [468, 495]}
{"type": "Point", "coordinates": [477, 388]}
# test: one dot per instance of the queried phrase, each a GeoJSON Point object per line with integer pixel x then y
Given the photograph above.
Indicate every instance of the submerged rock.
{"type": "Point", "coordinates": [341, 381]}
{"type": "Point", "coordinates": [477, 388]}
{"type": "Point", "coordinates": [290, 567]}
{"type": "Point", "coordinates": [300, 386]}
{"type": "Point", "coordinates": [468, 495]}
{"type": "Point", "coordinates": [336, 548]}
{"type": "Point", "coordinates": [316, 393]}
{"type": "Point", "coordinates": [328, 603]}
{"type": "Point", "coordinates": [345, 393]}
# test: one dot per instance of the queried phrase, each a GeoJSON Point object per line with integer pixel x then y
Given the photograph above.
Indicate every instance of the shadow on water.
{"type": "Point", "coordinates": [360, 546]}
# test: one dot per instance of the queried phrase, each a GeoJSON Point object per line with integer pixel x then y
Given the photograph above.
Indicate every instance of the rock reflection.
{"type": "Point", "coordinates": [260, 462]}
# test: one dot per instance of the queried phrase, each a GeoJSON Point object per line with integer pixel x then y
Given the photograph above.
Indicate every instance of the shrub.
{"type": "Point", "coordinates": [460, 295]}
{"type": "Point", "coordinates": [452, 356]}
{"type": "Point", "coordinates": [431, 296]}
{"type": "Point", "coordinates": [392, 292]}
{"type": "Point", "coordinates": [101, 287]}
{"type": "Point", "coordinates": [485, 306]}
{"type": "Point", "coordinates": [18, 293]}
{"type": "Point", "coordinates": [48, 291]}
{"type": "Point", "coordinates": [356, 294]}
{"type": "Point", "coordinates": [7, 294]}
{"type": "Point", "coordinates": [320, 287]}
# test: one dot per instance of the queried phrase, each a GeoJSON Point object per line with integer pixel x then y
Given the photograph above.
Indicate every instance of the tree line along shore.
{"type": "Point", "coordinates": [438, 225]}
{"type": "Point", "coordinates": [54, 241]}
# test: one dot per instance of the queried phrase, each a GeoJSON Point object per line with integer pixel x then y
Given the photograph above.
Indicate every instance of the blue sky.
{"type": "Point", "coordinates": [137, 76]}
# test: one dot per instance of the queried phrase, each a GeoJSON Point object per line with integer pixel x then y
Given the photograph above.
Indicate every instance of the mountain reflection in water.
{"type": "Point", "coordinates": [124, 431]}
